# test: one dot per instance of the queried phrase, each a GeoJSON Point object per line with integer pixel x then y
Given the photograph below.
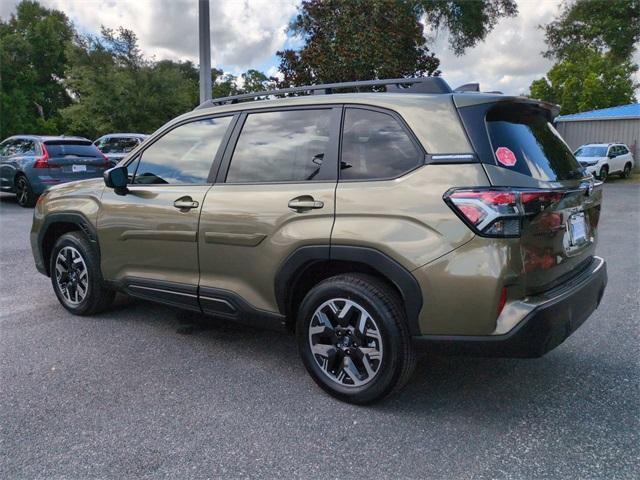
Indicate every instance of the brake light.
{"type": "Point", "coordinates": [43, 160]}
{"type": "Point", "coordinates": [107, 162]}
{"type": "Point", "coordinates": [498, 212]}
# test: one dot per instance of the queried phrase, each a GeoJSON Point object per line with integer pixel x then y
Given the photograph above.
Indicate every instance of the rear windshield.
{"type": "Point", "coordinates": [524, 140]}
{"type": "Point", "coordinates": [591, 152]}
{"type": "Point", "coordinates": [64, 148]}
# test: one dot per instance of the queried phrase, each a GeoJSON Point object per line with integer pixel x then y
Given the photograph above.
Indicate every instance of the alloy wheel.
{"type": "Point", "coordinates": [72, 275]}
{"type": "Point", "coordinates": [345, 342]}
{"type": "Point", "coordinates": [22, 191]}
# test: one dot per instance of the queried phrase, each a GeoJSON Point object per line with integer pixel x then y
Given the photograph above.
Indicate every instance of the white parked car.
{"type": "Point", "coordinates": [603, 159]}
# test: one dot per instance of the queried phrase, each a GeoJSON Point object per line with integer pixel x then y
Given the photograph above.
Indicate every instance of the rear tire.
{"type": "Point", "coordinates": [353, 338]}
{"type": "Point", "coordinates": [604, 174]}
{"type": "Point", "coordinates": [76, 277]}
{"type": "Point", "coordinates": [24, 192]}
{"type": "Point", "coordinates": [626, 172]}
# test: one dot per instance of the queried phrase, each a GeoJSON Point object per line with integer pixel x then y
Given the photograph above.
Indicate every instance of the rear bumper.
{"type": "Point", "coordinates": [560, 314]}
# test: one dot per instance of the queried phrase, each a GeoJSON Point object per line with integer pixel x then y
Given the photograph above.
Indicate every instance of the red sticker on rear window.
{"type": "Point", "coordinates": [505, 156]}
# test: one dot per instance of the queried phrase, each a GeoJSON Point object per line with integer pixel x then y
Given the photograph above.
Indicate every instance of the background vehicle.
{"type": "Point", "coordinates": [603, 159]}
{"type": "Point", "coordinates": [30, 164]}
{"type": "Point", "coordinates": [368, 223]}
{"type": "Point", "coordinates": [116, 145]}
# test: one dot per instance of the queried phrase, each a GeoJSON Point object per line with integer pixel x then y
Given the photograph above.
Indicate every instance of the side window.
{"type": "Point", "coordinates": [6, 147]}
{"type": "Point", "coordinates": [27, 147]}
{"type": "Point", "coordinates": [183, 155]}
{"type": "Point", "coordinates": [375, 146]}
{"type": "Point", "coordinates": [623, 150]}
{"type": "Point", "coordinates": [287, 146]}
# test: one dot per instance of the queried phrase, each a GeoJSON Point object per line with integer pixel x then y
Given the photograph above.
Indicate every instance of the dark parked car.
{"type": "Point", "coordinates": [117, 145]}
{"type": "Point", "coordinates": [30, 164]}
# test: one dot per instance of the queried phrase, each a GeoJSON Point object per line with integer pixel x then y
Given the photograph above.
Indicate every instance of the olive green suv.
{"type": "Point", "coordinates": [371, 224]}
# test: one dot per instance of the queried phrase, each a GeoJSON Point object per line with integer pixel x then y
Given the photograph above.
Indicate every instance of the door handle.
{"type": "Point", "coordinates": [304, 203]}
{"type": "Point", "coordinates": [185, 203]}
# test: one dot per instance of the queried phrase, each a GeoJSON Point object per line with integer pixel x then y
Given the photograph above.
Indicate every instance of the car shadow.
{"type": "Point", "coordinates": [472, 386]}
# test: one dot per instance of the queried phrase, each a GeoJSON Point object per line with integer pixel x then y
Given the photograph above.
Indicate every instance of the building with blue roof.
{"type": "Point", "coordinates": [608, 125]}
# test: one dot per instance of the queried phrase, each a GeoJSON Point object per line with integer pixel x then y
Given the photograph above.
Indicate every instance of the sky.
{"type": "Point", "coordinates": [247, 33]}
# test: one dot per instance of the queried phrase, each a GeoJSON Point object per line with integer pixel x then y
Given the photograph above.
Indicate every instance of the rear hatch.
{"type": "Point", "coordinates": [555, 203]}
{"type": "Point", "coordinates": [74, 158]}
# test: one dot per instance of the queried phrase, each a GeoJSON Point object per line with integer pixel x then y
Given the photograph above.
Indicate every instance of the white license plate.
{"type": "Point", "coordinates": [578, 228]}
{"type": "Point", "coordinates": [78, 168]}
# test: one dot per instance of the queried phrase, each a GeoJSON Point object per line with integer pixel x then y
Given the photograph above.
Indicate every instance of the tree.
{"type": "Point", "coordinates": [33, 45]}
{"type": "Point", "coordinates": [611, 26]}
{"type": "Point", "coordinates": [367, 39]}
{"type": "Point", "coordinates": [587, 80]}
{"type": "Point", "coordinates": [593, 42]}
{"type": "Point", "coordinates": [467, 21]}
{"type": "Point", "coordinates": [116, 89]}
{"type": "Point", "coordinates": [255, 81]}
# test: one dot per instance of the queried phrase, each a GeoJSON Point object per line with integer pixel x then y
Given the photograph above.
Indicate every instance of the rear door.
{"type": "Point", "coordinates": [274, 193]}
{"type": "Point", "coordinates": [148, 237]}
{"type": "Point", "coordinates": [561, 203]}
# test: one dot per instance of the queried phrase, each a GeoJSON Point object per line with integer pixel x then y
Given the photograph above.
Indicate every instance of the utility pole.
{"type": "Point", "coordinates": [205, 50]}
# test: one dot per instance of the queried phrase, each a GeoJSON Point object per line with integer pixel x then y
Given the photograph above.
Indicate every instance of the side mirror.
{"type": "Point", "coordinates": [117, 178]}
{"type": "Point", "coordinates": [611, 155]}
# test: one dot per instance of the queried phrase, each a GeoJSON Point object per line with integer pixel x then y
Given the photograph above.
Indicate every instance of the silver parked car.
{"type": "Point", "coordinates": [116, 145]}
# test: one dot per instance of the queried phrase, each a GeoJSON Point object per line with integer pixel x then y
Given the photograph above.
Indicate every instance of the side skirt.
{"type": "Point", "coordinates": [216, 302]}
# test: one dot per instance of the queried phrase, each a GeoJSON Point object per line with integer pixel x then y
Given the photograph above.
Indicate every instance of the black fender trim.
{"type": "Point", "coordinates": [303, 257]}
{"type": "Point", "coordinates": [71, 217]}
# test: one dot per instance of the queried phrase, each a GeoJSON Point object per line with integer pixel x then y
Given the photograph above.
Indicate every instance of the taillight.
{"type": "Point", "coordinates": [498, 212]}
{"type": "Point", "coordinates": [107, 162]}
{"type": "Point", "coordinates": [43, 160]}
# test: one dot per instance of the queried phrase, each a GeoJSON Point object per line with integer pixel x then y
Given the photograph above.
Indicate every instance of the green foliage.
{"type": "Point", "coordinates": [356, 40]}
{"type": "Point", "coordinates": [593, 41]}
{"type": "Point", "coordinates": [367, 39]}
{"type": "Point", "coordinates": [588, 80]}
{"type": "Point", "coordinates": [467, 21]}
{"type": "Point", "coordinates": [57, 81]}
{"type": "Point", "coordinates": [33, 45]}
{"type": "Point", "coordinates": [116, 89]}
{"type": "Point", "coordinates": [611, 26]}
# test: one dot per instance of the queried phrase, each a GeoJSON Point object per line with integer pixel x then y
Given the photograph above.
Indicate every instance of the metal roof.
{"type": "Point", "coordinates": [623, 112]}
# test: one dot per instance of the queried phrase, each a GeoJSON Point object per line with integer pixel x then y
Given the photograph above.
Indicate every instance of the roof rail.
{"type": "Point", "coordinates": [401, 85]}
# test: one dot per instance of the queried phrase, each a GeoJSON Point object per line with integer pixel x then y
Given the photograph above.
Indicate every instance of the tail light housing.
{"type": "Point", "coordinates": [498, 212]}
{"type": "Point", "coordinates": [43, 160]}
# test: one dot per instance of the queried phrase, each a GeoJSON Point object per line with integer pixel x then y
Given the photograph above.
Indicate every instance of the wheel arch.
{"type": "Point", "coordinates": [308, 265]}
{"type": "Point", "coordinates": [57, 224]}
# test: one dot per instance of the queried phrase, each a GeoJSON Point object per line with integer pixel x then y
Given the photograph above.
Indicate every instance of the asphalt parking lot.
{"type": "Point", "coordinates": [128, 394]}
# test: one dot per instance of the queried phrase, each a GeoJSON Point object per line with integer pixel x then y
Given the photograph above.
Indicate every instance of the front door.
{"type": "Point", "coordinates": [274, 193]}
{"type": "Point", "coordinates": [148, 236]}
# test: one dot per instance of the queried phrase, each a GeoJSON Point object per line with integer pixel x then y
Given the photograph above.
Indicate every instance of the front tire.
{"type": "Point", "coordinates": [24, 192]}
{"type": "Point", "coordinates": [76, 277]}
{"type": "Point", "coordinates": [353, 338]}
{"type": "Point", "coordinates": [604, 174]}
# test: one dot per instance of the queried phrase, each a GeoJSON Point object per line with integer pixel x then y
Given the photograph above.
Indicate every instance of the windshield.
{"type": "Point", "coordinates": [524, 140]}
{"type": "Point", "coordinates": [60, 148]}
{"type": "Point", "coordinates": [591, 152]}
